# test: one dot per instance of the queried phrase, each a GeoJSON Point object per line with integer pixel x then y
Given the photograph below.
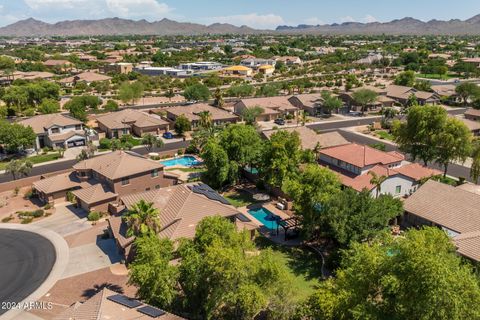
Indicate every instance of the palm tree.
{"type": "Point", "coordinates": [475, 167]}
{"type": "Point", "coordinates": [142, 219]}
{"type": "Point", "coordinates": [205, 121]}
{"type": "Point", "coordinates": [18, 168]}
{"type": "Point", "coordinates": [377, 181]}
{"type": "Point", "coordinates": [219, 102]}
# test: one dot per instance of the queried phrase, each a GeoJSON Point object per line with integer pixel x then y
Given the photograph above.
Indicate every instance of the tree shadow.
{"type": "Point", "coordinates": [88, 293]}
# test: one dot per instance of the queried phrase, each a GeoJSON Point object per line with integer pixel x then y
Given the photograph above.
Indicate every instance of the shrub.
{"type": "Point", "coordinates": [70, 197]}
{"type": "Point", "coordinates": [105, 143]}
{"type": "Point", "coordinates": [47, 206]}
{"type": "Point", "coordinates": [191, 149]}
{"type": "Point", "coordinates": [7, 219]}
{"type": "Point", "coordinates": [180, 152]}
{"type": "Point", "coordinates": [27, 220]}
{"type": "Point", "coordinates": [16, 191]}
{"type": "Point", "coordinates": [156, 158]}
{"type": "Point", "coordinates": [94, 216]}
{"type": "Point", "coordinates": [38, 213]}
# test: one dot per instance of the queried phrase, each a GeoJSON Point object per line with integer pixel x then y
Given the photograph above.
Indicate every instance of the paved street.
{"type": "Point", "coordinates": [27, 259]}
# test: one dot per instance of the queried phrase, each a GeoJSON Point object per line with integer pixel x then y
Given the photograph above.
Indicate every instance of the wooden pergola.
{"type": "Point", "coordinates": [288, 224]}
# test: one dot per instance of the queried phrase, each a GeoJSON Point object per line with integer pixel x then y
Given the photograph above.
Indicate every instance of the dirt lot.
{"type": "Point", "coordinates": [11, 202]}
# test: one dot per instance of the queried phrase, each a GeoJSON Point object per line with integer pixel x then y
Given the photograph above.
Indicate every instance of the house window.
{"type": "Point", "coordinates": [125, 181]}
{"type": "Point", "coordinates": [154, 173]}
{"type": "Point", "coordinates": [125, 131]}
{"type": "Point", "coordinates": [147, 189]}
{"type": "Point", "coordinates": [78, 127]}
{"type": "Point", "coordinates": [398, 189]}
{"type": "Point", "coordinates": [55, 130]}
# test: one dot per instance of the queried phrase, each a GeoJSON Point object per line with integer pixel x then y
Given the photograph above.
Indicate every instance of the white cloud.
{"type": "Point", "coordinates": [254, 20]}
{"type": "Point", "coordinates": [43, 4]}
{"type": "Point", "coordinates": [347, 19]}
{"type": "Point", "coordinates": [138, 8]}
{"type": "Point", "coordinates": [369, 18]}
{"type": "Point", "coordinates": [314, 21]}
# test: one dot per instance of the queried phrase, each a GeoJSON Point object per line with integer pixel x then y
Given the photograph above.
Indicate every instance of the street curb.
{"type": "Point", "coordinates": [61, 261]}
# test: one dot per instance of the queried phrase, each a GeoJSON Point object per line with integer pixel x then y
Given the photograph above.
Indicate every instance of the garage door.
{"type": "Point", "coordinates": [76, 143]}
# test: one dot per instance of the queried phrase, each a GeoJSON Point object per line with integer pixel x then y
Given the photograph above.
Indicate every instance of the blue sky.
{"type": "Point", "coordinates": [255, 13]}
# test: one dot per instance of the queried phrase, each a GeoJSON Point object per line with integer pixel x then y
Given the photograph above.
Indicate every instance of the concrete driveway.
{"type": "Point", "coordinates": [66, 220]}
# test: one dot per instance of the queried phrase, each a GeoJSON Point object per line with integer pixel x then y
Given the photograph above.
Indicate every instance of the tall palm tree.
{"type": "Point", "coordinates": [377, 181]}
{"type": "Point", "coordinates": [142, 219]}
{"type": "Point", "coordinates": [205, 121]}
{"type": "Point", "coordinates": [219, 102]}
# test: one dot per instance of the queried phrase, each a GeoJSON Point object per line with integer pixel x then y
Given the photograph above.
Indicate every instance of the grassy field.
{"type": "Point", "coordinates": [437, 76]}
{"type": "Point", "coordinates": [35, 159]}
{"type": "Point", "coordinates": [239, 198]}
{"type": "Point", "coordinates": [304, 266]}
{"type": "Point", "coordinates": [384, 135]}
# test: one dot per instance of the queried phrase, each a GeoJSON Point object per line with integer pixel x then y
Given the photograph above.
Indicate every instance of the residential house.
{"type": "Point", "coordinates": [382, 101]}
{"type": "Point", "coordinates": [401, 94]}
{"type": "Point", "coordinates": [255, 63]}
{"type": "Point", "coordinates": [131, 121]}
{"type": "Point", "coordinates": [98, 182]}
{"type": "Point", "coordinates": [62, 65]}
{"type": "Point", "coordinates": [119, 67]}
{"type": "Point", "coordinates": [311, 103]}
{"type": "Point", "coordinates": [87, 77]}
{"type": "Point", "coordinates": [266, 69]}
{"type": "Point", "coordinates": [472, 125]}
{"type": "Point", "coordinates": [311, 140]}
{"type": "Point", "coordinates": [241, 71]}
{"type": "Point", "coordinates": [181, 208]}
{"type": "Point", "coordinates": [160, 71]}
{"type": "Point", "coordinates": [472, 114]}
{"type": "Point", "coordinates": [273, 107]}
{"type": "Point", "coordinates": [289, 60]}
{"type": "Point", "coordinates": [56, 130]}
{"type": "Point", "coordinates": [108, 304]}
{"type": "Point", "coordinates": [452, 209]}
{"type": "Point", "coordinates": [355, 165]}
{"type": "Point", "coordinates": [192, 113]}
{"type": "Point", "coordinates": [445, 90]}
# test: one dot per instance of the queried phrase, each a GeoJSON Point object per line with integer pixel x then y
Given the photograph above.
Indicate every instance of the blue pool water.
{"type": "Point", "coordinates": [267, 218]}
{"type": "Point", "coordinates": [187, 161]}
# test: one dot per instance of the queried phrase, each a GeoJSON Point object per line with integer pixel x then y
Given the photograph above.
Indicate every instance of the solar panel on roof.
{"type": "Point", "coordinates": [208, 192]}
{"type": "Point", "coordinates": [124, 301]}
{"type": "Point", "coordinates": [243, 218]}
{"type": "Point", "coordinates": [151, 311]}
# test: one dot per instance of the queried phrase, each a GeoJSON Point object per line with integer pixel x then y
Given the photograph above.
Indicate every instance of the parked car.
{"type": "Point", "coordinates": [279, 121]}
{"type": "Point", "coordinates": [167, 135]}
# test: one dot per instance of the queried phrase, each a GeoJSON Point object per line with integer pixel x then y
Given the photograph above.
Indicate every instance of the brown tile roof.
{"type": "Point", "coordinates": [468, 245]}
{"type": "Point", "coordinates": [473, 112]}
{"type": "Point", "coordinates": [99, 307]}
{"type": "Point", "coordinates": [181, 209]}
{"type": "Point", "coordinates": [309, 99]}
{"type": "Point", "coordinates": [123, 119]}
{"type": "Point", "coordinates": [472, 125]}
{"type": "Point", "coordinates": [65, 136]}
{"type": "Point", "coordinates": [309, 138]}
{"type": "Point", "coordinates": [402, 92]}
{"type": "Point", "coordinates": [57, 183]}
{"type": "Point", "coordinates": [53, 63]}
{"type": "Point", "coordinates": [447, 206]}
{"type": "Point", "coordinates": [278, 102]}
{"type": "Point", "coordinates": [416, 171]}
{"type": "Point", "coordinates": [191, 112]}
{"type": "Point", "coordinates": [361, 156]}
{"type": "Point", "coordinates": [42, 122]}
{"type": "Point", "coordinates": [86, 76]}
{"type": "Point", "coordinates": [118, 164]}
{"type": "Point", "coordinates": [95, 193]}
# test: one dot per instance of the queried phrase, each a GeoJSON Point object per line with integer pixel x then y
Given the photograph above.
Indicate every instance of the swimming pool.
{"type": "Point", "coordinates": [186, 161]}
{"type": "Point", "coordinates": [267, 218]}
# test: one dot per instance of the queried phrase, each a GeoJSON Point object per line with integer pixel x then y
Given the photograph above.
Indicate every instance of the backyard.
{"type": "Point", "coordinates": [304, 266]}
{"type": "Point", "coordinates": [239, 198]}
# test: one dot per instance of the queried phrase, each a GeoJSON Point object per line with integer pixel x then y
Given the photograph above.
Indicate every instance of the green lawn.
{"type": "Point", "coordinates": [35, 159]}
{"type": "Point", "coordinates": [239, 198]}
{"type": "Point", "coordinates": [384, 135]}
{"type": "Point", "coordinates": [437, 76]}
{"type": "Point", "coordinates": [304, 265]}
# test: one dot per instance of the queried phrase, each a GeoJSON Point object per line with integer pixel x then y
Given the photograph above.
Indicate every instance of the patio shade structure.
{"type": "Point", "coordinates": [287, 224]}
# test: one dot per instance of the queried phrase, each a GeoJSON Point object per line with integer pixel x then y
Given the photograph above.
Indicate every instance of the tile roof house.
{"type": "Point", "coordinates": [87, 77]}
{"type": "Point", "coordinates": [401, 94]}
{"type": "Point", "coordinates": [354, 163]}
{"type": "Point", "coordinates": [130, 121]}
{"type": "Point", "coordinates": [472, 114]}
{"type": "Point", "coordinates": [382, 99]}
{"type": "Point", "coordinates": [56, 130]}
{"type": "Point", "coordinates": [273, 107]}
{"type": "Point", "coordinates": [181, 208]}
{"type": "Point", "coordinates": [98, 182]}
{"type": "Point", "coordinates": [311, 103]}
{"type": "Point", "coordinates": [450, 208]}
{"type": "Point", "coordinates": [192, 112]}
{"type": "Point", "coordinates": [310, 139]}
{"type": "Point", "coordinates": [108, 304]}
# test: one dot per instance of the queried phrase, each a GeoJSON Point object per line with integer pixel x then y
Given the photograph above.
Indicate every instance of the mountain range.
{"type": "Point", "coordinates": [117, 26]}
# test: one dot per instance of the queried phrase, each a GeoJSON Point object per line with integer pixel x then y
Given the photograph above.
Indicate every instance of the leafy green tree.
{"type": "Point", "coordinates": [152, 273]}
{"type": "Point", "coordinates": [217, 164]}
{"type": "Point", "coordinates": [467, 91]}
{"type": "Point", "coordinates": [416, 276]}
{"type": "Point", "coordinates": [111, 106]}
{"type": "Point", "coordinates": [142, 219]}
{"type": "Point", "coordinates": [475, 167]}
{"type": "Point", "coordinates": [418, 135]}
{"type": "Point", "coordinates": [242, 144]}
{"type": "Point", "coordinates": [364, 97]}
{"type": "Point", "coordinates": [406, 78]}
{"type": "Point", "coordinates": [14, 136]}
{"type": "Point", "coordinates": [115, 144]}
{"type": "Point", "coordinates": [197, 92]}
{"type": "Point", "coordinates": [310, 190]}
{"type": "Point", "coordinates": [242, 90]}
{"type": "Point", "coordinates": [18, 168]}
{"type": "Point", "coordinates": [453, 143]}
{"type": "Point", "coordinates": [281, 157]}
{"type": "Point", "coordinates": [130, 92]}
{"type": "Point", "coordinates": [48, 106]}
{"type": "Point", "coordinates": [6, 63]}
{"type": "Point", "coordinates": [357, 216]}
{"type": "Point", "coordinates": [330, 102]}
{"type": "Point", "coordinates": [219, 101]}
{"type": "Point", "coordinates": [182, 125]}
{"type": "Point", "coordinates": [423, 85]}
{"type": "Point", "coordinates": [150, 141]}
{"type": "Point", "coordinates": [169, 94]}
{"type": "Point", "coordinates": [249, 115]}
{"type": "Point", "coordinates": [205, 120]}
